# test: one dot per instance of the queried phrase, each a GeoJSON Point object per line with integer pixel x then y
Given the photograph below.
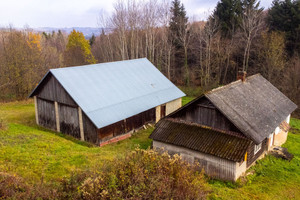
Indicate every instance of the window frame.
{"type": "Point", "coordinates": [257, 148]}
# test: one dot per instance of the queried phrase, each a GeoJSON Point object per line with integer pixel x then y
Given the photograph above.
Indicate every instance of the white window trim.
{"type": "Point", "coordinates": [257, 148]}
{"type": "Point", "coordinates": [288, 119]}
{"type": "Point", "coordinates": [277, 130]}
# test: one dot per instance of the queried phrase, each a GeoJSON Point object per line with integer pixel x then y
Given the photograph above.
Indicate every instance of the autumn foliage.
{"type": "Point", "coordinates": [142, 174]}
{"type": "Point", "coordinates": [78, 50]}
{"type": "Point", "coordinates": [145, 174]}
{"type": "Point", "coordinates": [239, 35]}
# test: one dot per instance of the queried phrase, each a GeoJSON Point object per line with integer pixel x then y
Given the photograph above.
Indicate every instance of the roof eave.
{"type": "Point", "coordinates": [36, 87]}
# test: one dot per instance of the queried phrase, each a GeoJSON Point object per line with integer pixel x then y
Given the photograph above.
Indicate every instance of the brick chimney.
{"type": "Point", "coordinates": [241, 75]}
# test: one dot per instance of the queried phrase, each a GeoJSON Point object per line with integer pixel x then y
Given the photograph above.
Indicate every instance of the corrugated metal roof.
{"type": "Point", "coordinates": [110, 92]}
{"type": "Point", "coordinates": [223, 144]}
{"type": "Point", "coordinates": [254, 106]}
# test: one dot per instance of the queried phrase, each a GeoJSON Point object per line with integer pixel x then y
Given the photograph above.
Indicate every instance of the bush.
{"type": "Point", "coordinates": [14, 187]}
{"type": "Point", "coordinates": [142, 174]}
{"type": "Point", "coordinates": [146, 174]}
{"type": "Point", "coordinates": [1, 124]}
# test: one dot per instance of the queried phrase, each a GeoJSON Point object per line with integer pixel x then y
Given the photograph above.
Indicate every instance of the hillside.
{"type": "Point", "coordinates": [88, 32]}
{"type": "Point", "coordinates": [37, 155]}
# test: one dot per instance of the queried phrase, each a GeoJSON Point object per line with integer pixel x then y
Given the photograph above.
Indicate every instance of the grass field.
{"type": "Point", "coordinates": [39, 155]}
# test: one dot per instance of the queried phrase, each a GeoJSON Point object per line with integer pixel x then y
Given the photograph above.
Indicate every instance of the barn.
{"type": "Point", "coordinates": [227, 129]}
{"type": "Point", "coordinates": [104, 103]}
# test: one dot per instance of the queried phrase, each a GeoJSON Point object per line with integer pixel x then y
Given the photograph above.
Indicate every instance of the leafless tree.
{"type": "Point", "coordinates": [251, 24]}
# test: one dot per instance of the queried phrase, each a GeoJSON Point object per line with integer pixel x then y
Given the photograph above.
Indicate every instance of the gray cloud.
{"type": "Point", "coordinates": [71, 13]}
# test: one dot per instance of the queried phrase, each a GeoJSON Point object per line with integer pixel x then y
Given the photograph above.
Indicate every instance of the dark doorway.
{"type": "Point", "coordinates": [162, 111]}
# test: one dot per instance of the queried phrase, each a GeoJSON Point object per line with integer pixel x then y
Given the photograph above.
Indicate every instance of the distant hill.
{"type": "Point", "coordinates": [87, 31]}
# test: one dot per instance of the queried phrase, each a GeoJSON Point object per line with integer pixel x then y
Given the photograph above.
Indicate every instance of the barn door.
{"type": "Point", "coordinates": [162, 111]}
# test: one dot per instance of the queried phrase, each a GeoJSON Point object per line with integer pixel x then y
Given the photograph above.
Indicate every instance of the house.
{"type": "Point", "coordinates": [227, 129]}
{"type": "Point", "coordinates": [104, 103]}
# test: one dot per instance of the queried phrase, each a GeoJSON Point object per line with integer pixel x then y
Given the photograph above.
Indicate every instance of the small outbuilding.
{"type": "Point", "coordinates": [227, 129]}
{"type": "Point", "coordinates": [104, 103]}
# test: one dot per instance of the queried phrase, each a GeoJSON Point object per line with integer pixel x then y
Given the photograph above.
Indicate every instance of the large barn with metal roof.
{"type": "Point", "coordinates": [227, 129]}
{"type": "Point", "coordinates": [103, 103]}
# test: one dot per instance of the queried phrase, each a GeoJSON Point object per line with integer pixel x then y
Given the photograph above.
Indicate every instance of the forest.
{"type": "Point", "coordinates": [239, 35]}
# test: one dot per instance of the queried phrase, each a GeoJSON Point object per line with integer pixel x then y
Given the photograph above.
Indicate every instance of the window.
{"type": "Point", "coordinates": [257, 148]}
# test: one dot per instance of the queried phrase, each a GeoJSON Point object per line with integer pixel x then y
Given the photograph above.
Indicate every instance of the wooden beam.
{"type": "Point", "coordinates": [36, 110]}
{"type": "Point", "coordinates": [157, 114]}
{"type": "Point", "coordinates": [80, 124]}
{"type": "Point", "coordinates": [57, 116]}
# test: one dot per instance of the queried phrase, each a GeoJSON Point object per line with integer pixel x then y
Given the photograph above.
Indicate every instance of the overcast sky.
{"type": "Point", "coordinates": [78, 13]}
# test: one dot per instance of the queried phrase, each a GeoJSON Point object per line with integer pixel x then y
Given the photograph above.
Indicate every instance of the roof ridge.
{"type": "Point", "coordinates": [231, 133]}
{"type": "Point", "coordinates": [231, 84]}
{"type": "Point", "coordinates": [90, 65]}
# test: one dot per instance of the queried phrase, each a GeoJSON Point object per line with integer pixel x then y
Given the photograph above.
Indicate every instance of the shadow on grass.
{"type": "Point", "coordinates": [65, 136]}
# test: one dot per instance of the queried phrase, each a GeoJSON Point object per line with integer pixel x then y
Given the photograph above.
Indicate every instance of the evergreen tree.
{"type": "Point", "coordinates": [92, 40]}
{"type": "Point", "coordinates": [177, 30]}
{"type": "Point", "coordinates": [229, 14]}
{"type": "Point", "coordinates": [285, 16]}
{"type": "Point", "coordinates": [178, 22]}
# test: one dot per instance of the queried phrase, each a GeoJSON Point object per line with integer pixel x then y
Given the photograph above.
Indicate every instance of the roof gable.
{"type": "Point", "coordinates": [254, 106]}
{"type": "Point", "coordinates": [110, 92]}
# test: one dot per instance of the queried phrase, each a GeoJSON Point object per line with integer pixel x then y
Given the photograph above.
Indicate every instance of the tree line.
{"type": "Point", "coordinates": [239, 35]}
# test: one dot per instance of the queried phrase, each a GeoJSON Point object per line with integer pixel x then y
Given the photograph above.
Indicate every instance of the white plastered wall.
{"type": "Point", "coordinates": [170, 107]}
{"type": "Point", "coordinates": [214, 166]}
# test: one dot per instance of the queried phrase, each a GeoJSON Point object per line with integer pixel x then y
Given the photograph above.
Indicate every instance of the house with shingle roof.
{"type": "Point", "coordinates": [227, 129]}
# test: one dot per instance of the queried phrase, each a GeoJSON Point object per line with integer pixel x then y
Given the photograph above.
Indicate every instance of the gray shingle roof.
{"type": "Point", "coordinates": [227, 145]}
{"type": "Point", "coordinates": [110, 92]}
{"type": "Point", "coordinates": [254, 106]}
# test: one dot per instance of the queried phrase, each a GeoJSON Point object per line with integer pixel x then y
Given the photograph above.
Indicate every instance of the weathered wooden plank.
{"type": "Point", "coordinates": [80, 124]}
{"type": "Point", "coordinates": [36, 110]}
{"type": "Point", "coordinates": [69, 120]}
{"type": "Point", "coordinates": [90, 130]}
{"type": "Point", "coordinates": [46, 113]}
{"type": "Point", "coordinates": [127, 125]}
{"type": "Point", "coordinates": [52, 90]}
{"type": "Point", "coordinates": [57, 117]}
{"type": "Point", "coordinates": [251, 157]}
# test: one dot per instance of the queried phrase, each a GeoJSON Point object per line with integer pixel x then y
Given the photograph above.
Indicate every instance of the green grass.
{"type": "Point", "coordinates": [185, 100]}
{"type": "Point", "coordinates": [271, 178]}
{"type": "Point", "coordinates": [39, 155]}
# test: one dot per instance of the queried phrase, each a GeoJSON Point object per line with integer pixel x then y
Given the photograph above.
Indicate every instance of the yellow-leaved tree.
{"type": "Point", "coordinates": [20, 63]}
{"type": "Point", "coordinates": [272, 55]}
{"type": "Point", "coordinates": [78, 50]}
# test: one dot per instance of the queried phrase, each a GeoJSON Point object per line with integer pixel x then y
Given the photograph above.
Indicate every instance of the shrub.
{"type": "Point", "coordinates": [14, 187]}
{"type": "Point", "coordinates": [146, 174]}
{"type": "Point", "coordinates": [1, 124]}
{"type": "Point", "coordinates": [11, 186]}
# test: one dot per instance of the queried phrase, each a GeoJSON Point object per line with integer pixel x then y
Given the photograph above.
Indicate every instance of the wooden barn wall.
{"type": "Point", "coordinates": [139, 120]}
{"type": "Point", "coordinates": [52, 90]}
{"type": "Point", "coordinates": [89, 129]}
{"type": "Point", "coordinates": [69, 121]}
{"type": "Point", "coordinates": [251, 157]}
{"type": "Point", "coordinates": [126, 125]}
{"type": "Point", "coordinates": [205, 113]}
{"type": "Point", "coordinates": [46, 113]}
